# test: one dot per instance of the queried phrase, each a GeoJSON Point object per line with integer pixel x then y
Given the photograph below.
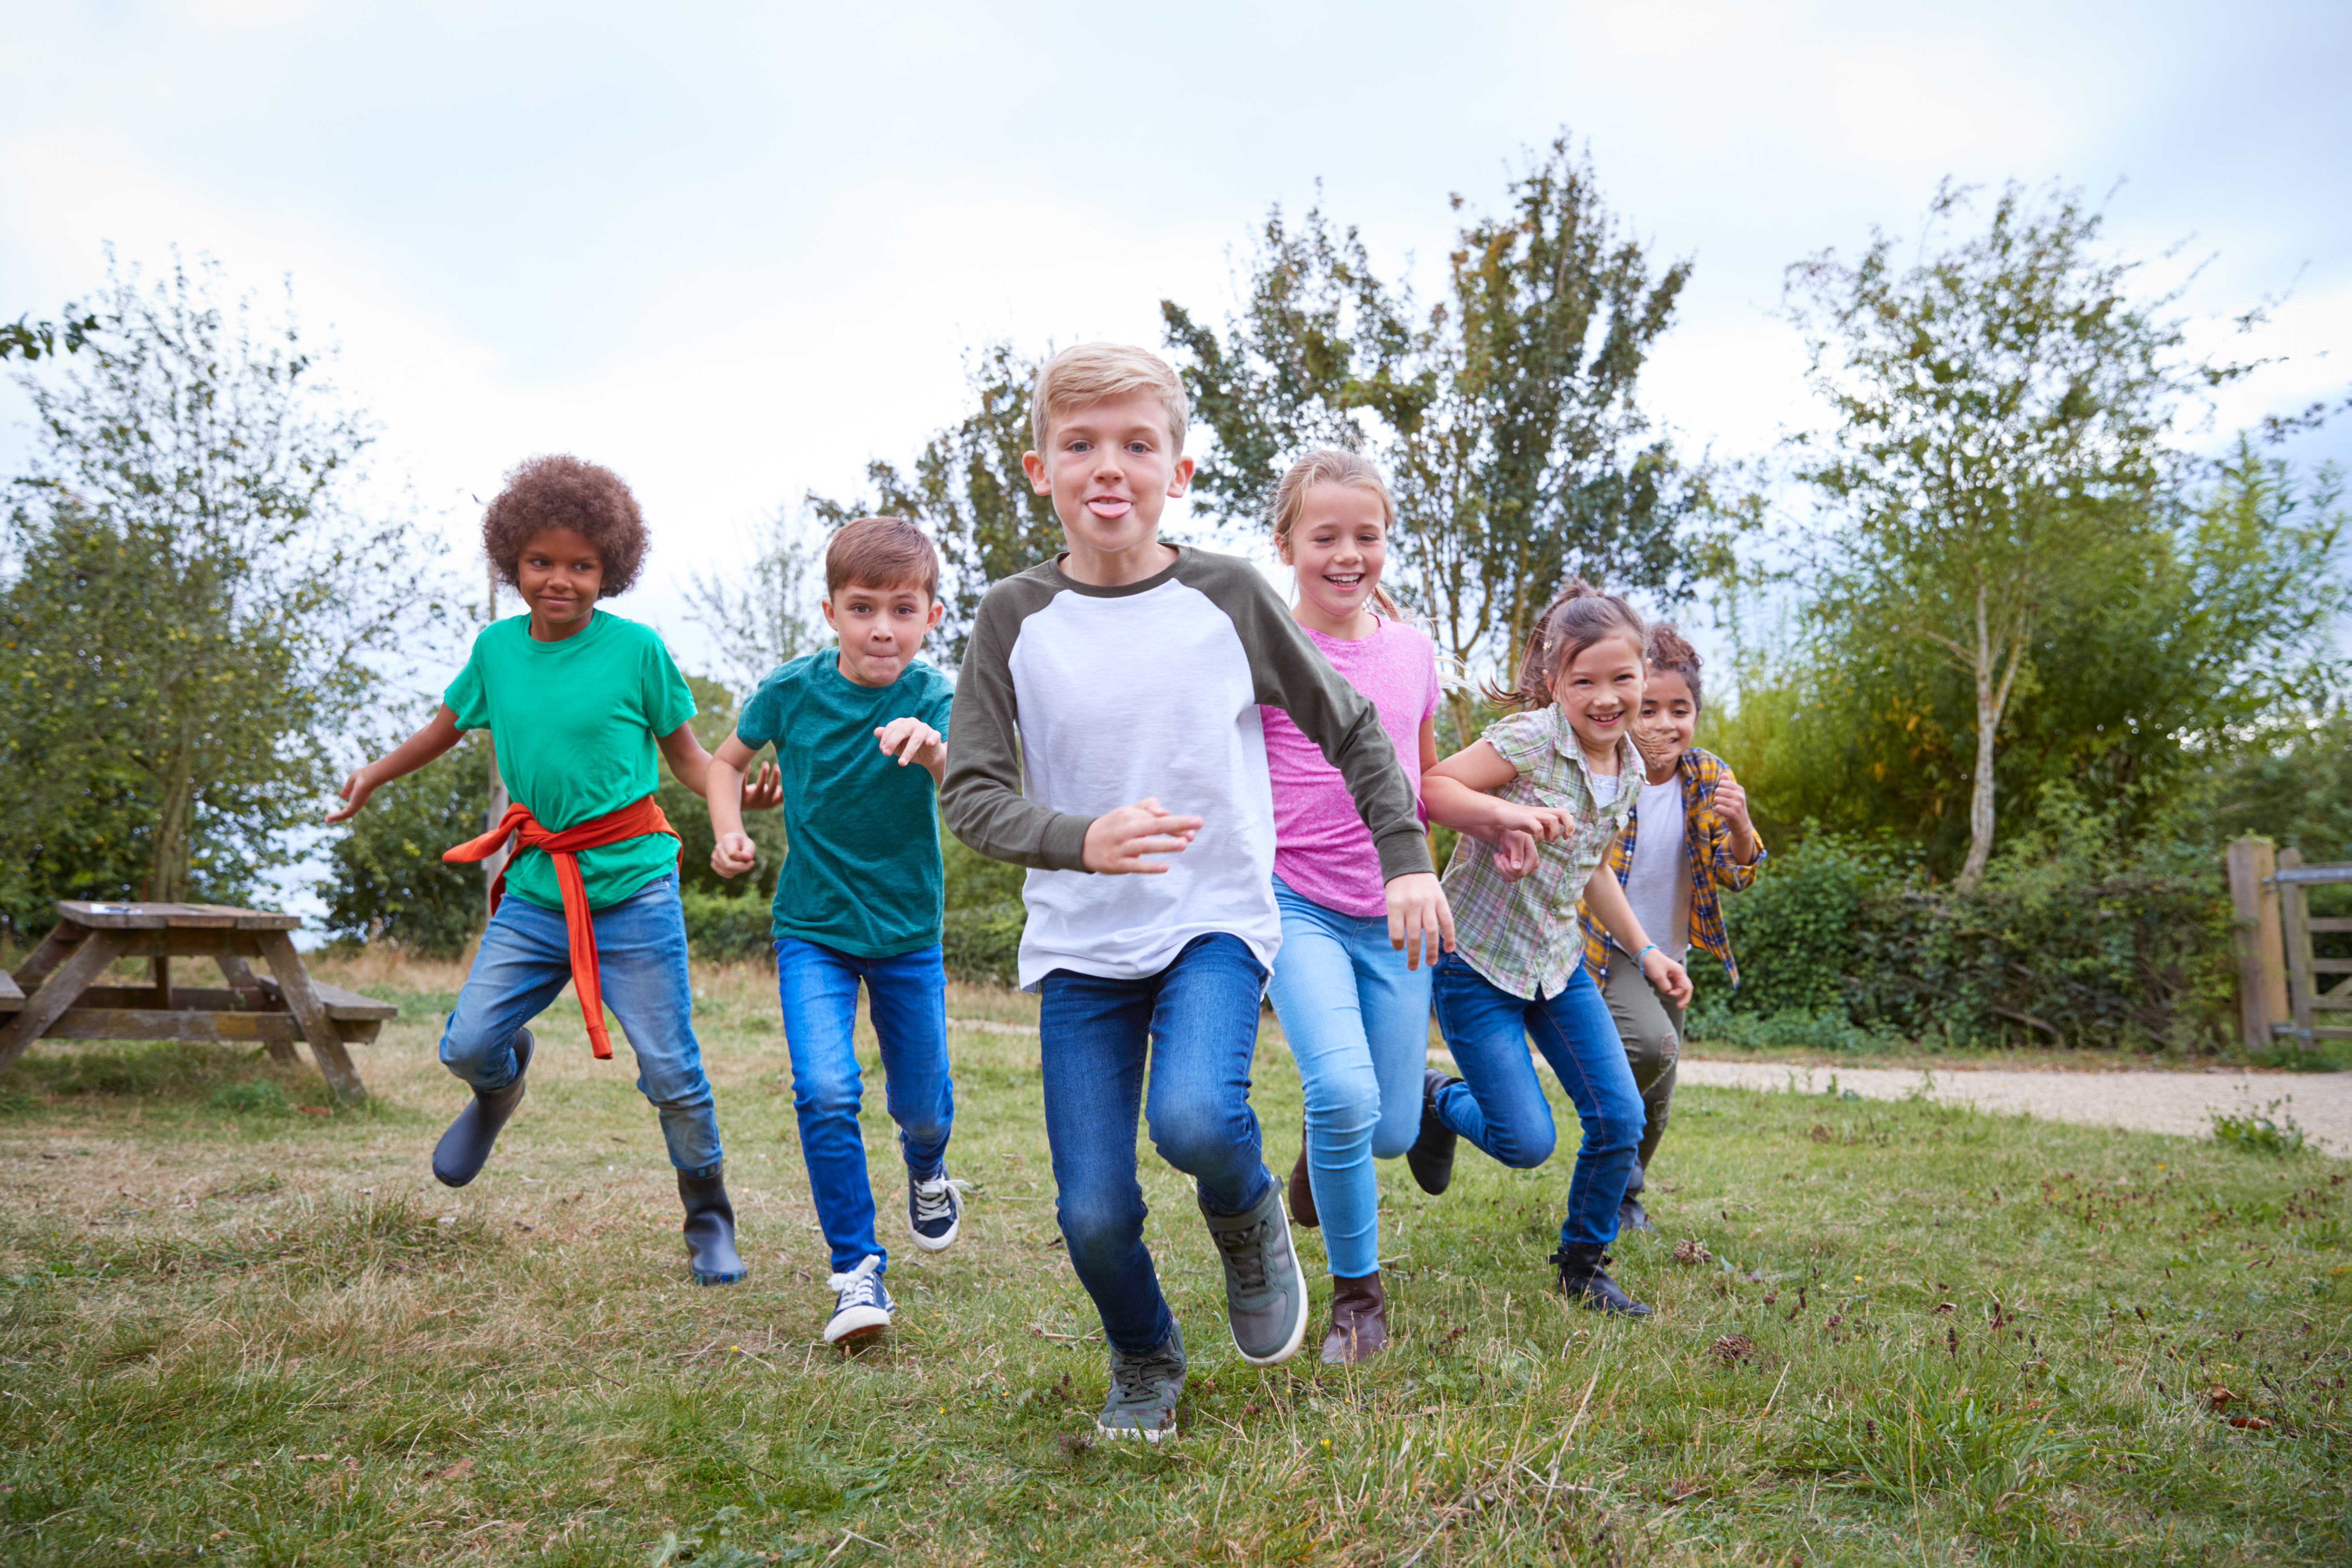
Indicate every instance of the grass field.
{"type": "Point", "coordinates": [237, 1327]}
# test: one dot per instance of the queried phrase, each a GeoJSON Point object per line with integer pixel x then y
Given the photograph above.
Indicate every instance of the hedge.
{"type": "Point", "coordinates": [982, 945]}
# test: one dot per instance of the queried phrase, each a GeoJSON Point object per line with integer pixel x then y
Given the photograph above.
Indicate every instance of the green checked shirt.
{"type": "Point", "coordinates": [1523, 936]}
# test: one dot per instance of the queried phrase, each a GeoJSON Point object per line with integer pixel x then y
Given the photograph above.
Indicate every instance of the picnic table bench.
{"type": "Point", "coordinates": [54, 994]}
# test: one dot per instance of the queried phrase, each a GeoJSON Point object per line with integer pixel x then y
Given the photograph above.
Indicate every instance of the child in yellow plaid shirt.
{"type": "Point", "coordinates": [1685, 837]}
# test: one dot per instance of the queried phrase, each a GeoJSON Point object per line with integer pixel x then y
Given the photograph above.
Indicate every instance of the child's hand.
{"type": "Point", "coordinates": [1420, 923]}
{"type": "Point", "coordinates": [1544, 824]}
{"type": "Point", "coordinates": [1514, 854]}
{"type": "Point", "coordinates": [1731, 805]}
{"type": "Point", "coordinates": [354, 793]}
{"type": "Point", "coordinates": [1117, 840]}
{"type": "Point", "coordinates": [734, 854]}
{"type": "Point", "coordinates": [912, 741]}
{"type": "Point", "coordinates": [1670, 978]}
{"type": "Point", "coordinates": [763, 791]}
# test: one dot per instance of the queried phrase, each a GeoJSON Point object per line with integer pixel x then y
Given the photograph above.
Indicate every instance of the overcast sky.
{"type": "Point", "coordinates": [735, 252]}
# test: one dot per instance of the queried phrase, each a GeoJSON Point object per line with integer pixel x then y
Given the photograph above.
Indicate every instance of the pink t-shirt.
{"type": "Point", "coordinates": [1320, 845]}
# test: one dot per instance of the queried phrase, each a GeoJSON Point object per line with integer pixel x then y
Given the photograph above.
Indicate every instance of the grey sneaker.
{"type": "Point", "coordinates": [1143, 1392]}
{"type": "Point", "coordinates": [1265, 1293]}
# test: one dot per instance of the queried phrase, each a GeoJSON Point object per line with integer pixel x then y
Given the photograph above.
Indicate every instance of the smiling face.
{"type": "Point", "coordinates": [560, 574]}
{"type": "Point", "coordinates": [1600, 691]}
{"type": "Point", "coordinates": [1669, 716]}
{"type": "Point", "coordinates": [1111, 468]}
{"type": "Point", "coordinates": [881, 629]}
{"type": "Point", "coordinates": [1337, 547]}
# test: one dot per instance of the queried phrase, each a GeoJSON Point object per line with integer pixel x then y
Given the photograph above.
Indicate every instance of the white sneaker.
{"type": "Point", "coordinates": [860, 1305]}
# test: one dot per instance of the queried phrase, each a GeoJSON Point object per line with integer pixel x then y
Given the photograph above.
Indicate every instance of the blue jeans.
{"type": "Point", "coordinates": [1500, 1106]}
{"type": "Point", "coordinates": [525, 961]}
{"type": "Point", "coordinates": [1358, 1024]}
{"type": "Point", "coordinates": [1196, 1022]}
{"type": "Point", "coordinates": [907, 995]}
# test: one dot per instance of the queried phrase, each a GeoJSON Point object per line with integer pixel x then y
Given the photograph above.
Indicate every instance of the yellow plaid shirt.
{"type": "Point", "coordinates": [1706, 839]}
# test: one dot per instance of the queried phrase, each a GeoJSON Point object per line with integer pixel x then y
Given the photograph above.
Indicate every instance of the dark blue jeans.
{"type": "Point", "coordinates": [525, 961]}
{"type": "Point", "coordinates": [1196, 1023]}
{"type": "Point", "coordinates": [906, 996]}
{"type": "Point", "coordinates": [1500, 1105]}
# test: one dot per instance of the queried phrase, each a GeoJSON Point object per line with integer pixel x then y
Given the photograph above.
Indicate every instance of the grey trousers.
{"type": "Point", "coordinates": [1652, 1028]}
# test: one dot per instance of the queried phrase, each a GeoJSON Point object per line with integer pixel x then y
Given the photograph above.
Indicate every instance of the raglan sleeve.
{"type": "Point", "coordinates": [1292, 675]}
{"type": "Point", "coordinates": [981, 798]}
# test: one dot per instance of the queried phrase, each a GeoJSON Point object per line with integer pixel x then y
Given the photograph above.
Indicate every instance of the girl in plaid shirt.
{"type": "Point", "coordinates": [1539, 799]}
{"type": "Point", "coordinates": [1687, 837]}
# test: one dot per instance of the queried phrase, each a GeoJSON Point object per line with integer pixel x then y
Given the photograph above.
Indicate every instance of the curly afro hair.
{"type": "Point", "coordinates": [563, 491]}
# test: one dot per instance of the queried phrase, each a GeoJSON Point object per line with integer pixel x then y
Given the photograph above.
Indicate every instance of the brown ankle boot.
{"type": "Point", "coordinates": [1359, 1320]}
{"type": "Point", "coordinates": [1302, 1193]}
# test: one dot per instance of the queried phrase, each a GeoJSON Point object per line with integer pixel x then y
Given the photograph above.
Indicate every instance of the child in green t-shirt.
{"type": "Point", "coordinates": [578, 700]}
{"type": "Point", "coordinates": [860, 894]}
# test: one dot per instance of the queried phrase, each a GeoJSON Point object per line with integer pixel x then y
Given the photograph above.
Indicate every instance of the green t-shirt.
{"type": "Point", "coordinates": [575, 723]}
{"type": "Point", "coordinates": [862, 870]}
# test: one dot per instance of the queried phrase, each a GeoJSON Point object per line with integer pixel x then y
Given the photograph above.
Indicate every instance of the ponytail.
{"type": "Point", "coordinates": [1578, 615]}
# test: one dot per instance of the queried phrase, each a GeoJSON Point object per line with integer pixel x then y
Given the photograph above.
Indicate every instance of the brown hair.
{"type": "Point", "coordinates": [881, 553]}
{"type": "Point", "coordinates": [1671, 653]}
{"type": "Point", "coordinates": [563, 491]}
{"type": "Point", "coordinates": [1334, 466]}
{"type": "Point", "coordinates": [1088, 374]}
{"type": "Point", "coordinates": [1578, 615]}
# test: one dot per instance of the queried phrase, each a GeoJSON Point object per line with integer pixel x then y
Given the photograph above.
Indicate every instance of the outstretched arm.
{"type": "Point", "coordinates": [1459, 794]}
{"type": "Point", "coordinates": [440, 733]}
{"type": "Point", "coordinates": [1605, 897]}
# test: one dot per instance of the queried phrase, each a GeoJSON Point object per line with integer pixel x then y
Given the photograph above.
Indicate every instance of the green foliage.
{"type": "Point", "coordinates": [386, 880]}
{"type": "Point", "coordinates": [983, 944]}
{"type": "Point", "coordinates": [715, 708]}
{"type": "Point", "coordinates": [2070, 940]}
{"type": "Point", "coordinates": [29, 340]}
{"type": "Point", "coordinates": [2270, 1130]}
{"type": "Point", "coordinates": [724, 928]}
{"type": "Point", "coordinates": [191, 601]}
{"type": "Point", "coordinates": [259, 1096]}
{"type": "Point", "coordinates": [2000, 458]}
{"type": "Point", "coordinates": [1505, 415]}
{"type": "Point", "coordinates": [768, 615]}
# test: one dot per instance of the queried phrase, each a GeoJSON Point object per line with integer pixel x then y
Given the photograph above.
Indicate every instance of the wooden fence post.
{"type": "Point", "coordinates": [2262, 972]}
{"type": "Point", "coordinates": [2295, 923]}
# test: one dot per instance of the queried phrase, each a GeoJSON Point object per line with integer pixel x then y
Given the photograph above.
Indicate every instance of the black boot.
{"type": "Point", "coordinates": [709, 1230]}
{"type": "Point", "coordinates": [1583, 1278]}
{"type": "Point", "coordinates": [1632, 1216]}
{"type": "Point", "coordinates": [459, 1156]}
{"type": "Point", "coordinates": [1430, 1158]}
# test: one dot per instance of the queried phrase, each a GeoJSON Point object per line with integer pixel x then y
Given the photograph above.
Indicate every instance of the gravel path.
{"type": "Point", "coordinates": [2180, 1102]}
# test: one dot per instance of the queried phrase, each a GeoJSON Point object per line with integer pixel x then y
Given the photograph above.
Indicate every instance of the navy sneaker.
{"type": "Point", "coordinates": [861, 1308]}
{"type": "Point", "coordinates": [934, 1211]}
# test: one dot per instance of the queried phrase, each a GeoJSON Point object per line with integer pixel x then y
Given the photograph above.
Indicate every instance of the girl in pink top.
{"type": "Point", "coordinates": [1356, 1012]}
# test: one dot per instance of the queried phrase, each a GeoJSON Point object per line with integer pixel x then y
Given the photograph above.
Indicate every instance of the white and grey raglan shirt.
{"type": "Point", "coordinates": [1104, 697]}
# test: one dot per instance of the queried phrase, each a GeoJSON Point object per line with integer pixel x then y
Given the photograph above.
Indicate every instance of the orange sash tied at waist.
{"type": "Point", "coordinates": [632, 821]}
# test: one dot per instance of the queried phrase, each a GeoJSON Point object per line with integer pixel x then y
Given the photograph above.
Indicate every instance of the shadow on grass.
{"type": "Point", "coordinates": [239, 1084]}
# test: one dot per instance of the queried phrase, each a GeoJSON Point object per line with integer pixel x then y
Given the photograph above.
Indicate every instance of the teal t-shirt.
{"type": "Point", "coordinates": [862, 870]}
{"type": "Point", "coordinates": [575, 723]}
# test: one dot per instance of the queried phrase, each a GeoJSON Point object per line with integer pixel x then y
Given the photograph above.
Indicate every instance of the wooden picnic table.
{"type": "Point", "coordinates": [54, 993]}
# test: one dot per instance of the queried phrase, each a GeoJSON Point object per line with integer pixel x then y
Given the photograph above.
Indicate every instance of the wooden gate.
{"type": "Point", "coordinates": [2283, 988]}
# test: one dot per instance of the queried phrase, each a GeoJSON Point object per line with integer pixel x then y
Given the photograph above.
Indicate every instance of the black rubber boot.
{"type": "Point", "coordinates": [463, 1150]}
{"type": "Point", "coordinates": [1430, 1158]}
{"type": "Point", "coordinates": [709, 1230]}
{"type": "Point", "coordinates": [1632, 1216]}
{"type": "Point", "coordinates": [1583, 1278]}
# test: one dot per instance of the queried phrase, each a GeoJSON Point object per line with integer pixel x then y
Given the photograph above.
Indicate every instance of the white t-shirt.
{"type": "Point", "coordinates": [1654, 883]}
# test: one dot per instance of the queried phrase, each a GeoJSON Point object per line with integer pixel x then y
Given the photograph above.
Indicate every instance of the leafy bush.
{"type": "Point", "coordinates": [386, 880]}
{"type": "Point", "coordinates": [2270, 1130]}
{"type": "Point", "coordinates": [722, 928]}
{"type": "Point", "coordinates": [2067, 941]}
{"type": "Point", "coordinates": [983, 945]}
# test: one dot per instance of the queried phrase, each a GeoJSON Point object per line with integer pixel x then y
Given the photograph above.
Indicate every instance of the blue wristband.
{"type": "Point", "coordinates": [1645, 952]}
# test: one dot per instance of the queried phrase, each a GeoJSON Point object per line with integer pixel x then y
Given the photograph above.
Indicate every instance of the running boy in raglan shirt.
{"type": "Point", "coordinates": [1123, 674]}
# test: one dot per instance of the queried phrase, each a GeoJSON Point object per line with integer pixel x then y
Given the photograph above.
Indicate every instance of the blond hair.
{"type": "Point", "coordinates": [1334, 466]}
{"type": "Point", "coordinates": [1580, 615]}
{"type": "Point", "coordinates": [1086, 374]}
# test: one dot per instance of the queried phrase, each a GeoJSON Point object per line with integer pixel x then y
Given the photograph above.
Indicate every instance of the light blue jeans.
{"type": "Point", "coordinates": [906, 996]}
{"type": "Point", "coordinates": [525, 962]}
{"type": "Point", "coordinates": [1358, 1024]}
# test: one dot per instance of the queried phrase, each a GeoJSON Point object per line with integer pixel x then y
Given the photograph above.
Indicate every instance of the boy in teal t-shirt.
{"type": "Point", "coordinates": [578, 700]}
{"type": "Point", "coordinates": [860, 734]}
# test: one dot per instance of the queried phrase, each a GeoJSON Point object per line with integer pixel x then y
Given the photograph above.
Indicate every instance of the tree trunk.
{"type": "Point", "coordinates": [1992, 701]}
{"type": "Point", "coordinates": [167, 880]}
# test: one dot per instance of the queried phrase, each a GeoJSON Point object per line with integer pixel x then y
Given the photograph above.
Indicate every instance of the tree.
{"type": "Point", "coordinates": [386, 880]}
{"type": "Point", "coordinates": [196, 600]}
{"type": "Point", "coordinates": [1507, 416]}
{"type": "Point", "coordinates": [768, 615]}
{"type": "Point", "coordinates": [967, 489]}
{"type": "Point", "coordinates": [28, 340]}
{"type": "Point", "coordinates": [2003, 407]}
